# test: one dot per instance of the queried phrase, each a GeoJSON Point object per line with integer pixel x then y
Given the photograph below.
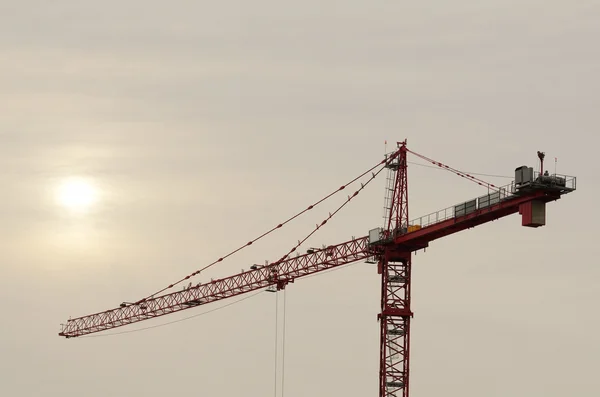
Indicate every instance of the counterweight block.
{"type": "Point", "coordinates": [533, 213]}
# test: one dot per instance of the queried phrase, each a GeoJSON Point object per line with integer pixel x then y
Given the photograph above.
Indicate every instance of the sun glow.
{"type": "Point", "coordinates": [77, 194]}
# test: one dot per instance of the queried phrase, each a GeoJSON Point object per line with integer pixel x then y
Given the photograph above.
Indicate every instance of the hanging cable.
{"type": "Point", "coordinates": [386, 160]}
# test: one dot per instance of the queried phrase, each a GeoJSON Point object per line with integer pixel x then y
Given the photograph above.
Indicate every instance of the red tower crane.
{"type": "Point", "coordinates": [391, 247]}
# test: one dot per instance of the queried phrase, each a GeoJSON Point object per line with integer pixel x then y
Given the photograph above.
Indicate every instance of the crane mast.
{"type": "Point", "coordinates": [395, 269]}
{"type": "Point", "coordinates": [391, 247]}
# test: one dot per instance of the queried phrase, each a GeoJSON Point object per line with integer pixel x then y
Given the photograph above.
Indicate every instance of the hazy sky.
{"type": "Point", "coordinates": [203, 124]}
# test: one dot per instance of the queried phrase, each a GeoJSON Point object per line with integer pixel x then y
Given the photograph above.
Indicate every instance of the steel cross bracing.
{"type": "Point", "coordinates": [399, 204]}
{"type": "Point", "coordinates": [395, 327]}
{"type": "Point", "coordinates": [215, 290]}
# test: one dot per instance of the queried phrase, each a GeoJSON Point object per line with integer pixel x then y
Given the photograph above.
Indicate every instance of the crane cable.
{"type": "Point", "coordinates": [464, 172]}
{"type": "Point", "coordinates": [457, 172]}
{"type": "Point", "coordinates": [384, 161]}
{"type": "Point", "coordinates": [331, 215]}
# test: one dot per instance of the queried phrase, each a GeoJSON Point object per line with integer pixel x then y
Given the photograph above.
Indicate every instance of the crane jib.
{"type": "Point", "coordinates": [259, 278]}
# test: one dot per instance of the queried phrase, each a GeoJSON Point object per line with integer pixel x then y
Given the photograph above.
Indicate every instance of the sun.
{"type": "Point", "coordinates": [77, 194]}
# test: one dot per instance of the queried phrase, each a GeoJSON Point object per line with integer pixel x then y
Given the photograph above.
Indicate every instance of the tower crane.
{"type": "Point", "coordinates": [390, 247]}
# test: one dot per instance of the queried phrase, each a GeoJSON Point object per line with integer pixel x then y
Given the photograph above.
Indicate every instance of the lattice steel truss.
{"type": "Point", "coordinates": [395, 328]}
{"type": "Point", "coordinates": [395, 269]}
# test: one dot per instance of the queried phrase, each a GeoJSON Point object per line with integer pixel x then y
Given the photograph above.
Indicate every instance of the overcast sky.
{"type": "Point", "coordinates": [204, 124]}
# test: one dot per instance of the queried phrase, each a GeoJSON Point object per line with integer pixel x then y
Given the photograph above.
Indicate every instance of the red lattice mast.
{"type": "Point", "coordinates": [394, 267]}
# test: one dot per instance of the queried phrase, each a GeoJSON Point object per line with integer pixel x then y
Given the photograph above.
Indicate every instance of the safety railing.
{"type": "Point", "coordinates": [558, 181]}
{"type": "Point", "coordinates": [463, 208]}
{"type": "Point", "coordinates": [563, 183]}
